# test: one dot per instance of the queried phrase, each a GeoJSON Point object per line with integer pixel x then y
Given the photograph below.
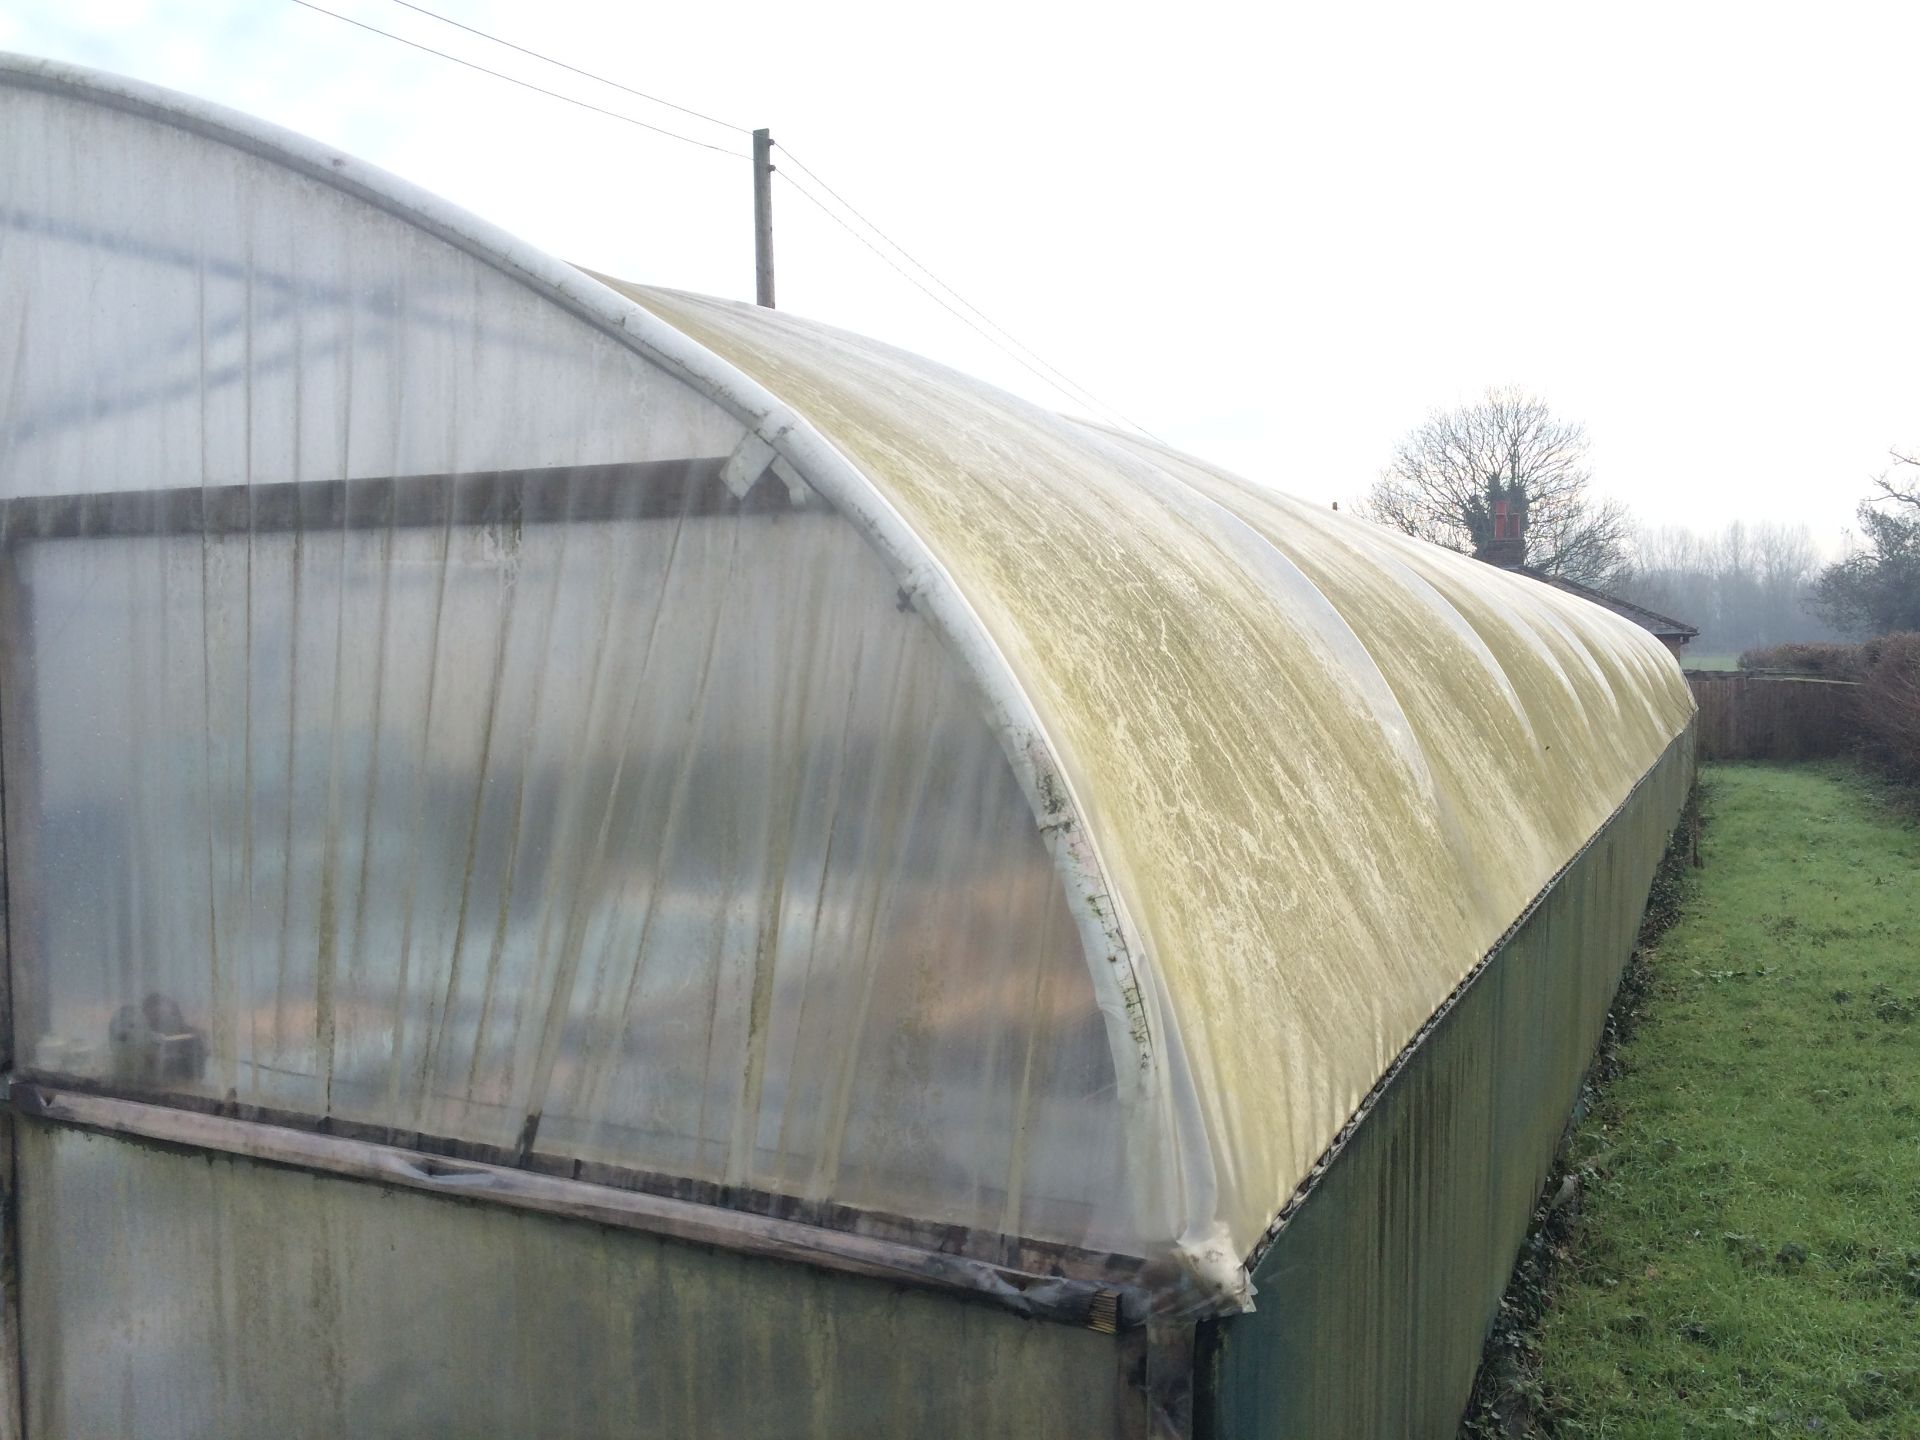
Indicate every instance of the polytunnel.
{"type": "Point", "coordinates": [581, 859]}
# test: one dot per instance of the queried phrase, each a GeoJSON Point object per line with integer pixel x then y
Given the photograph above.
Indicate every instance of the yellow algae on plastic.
{"type": "Point", "coordinates": [1325, 767]}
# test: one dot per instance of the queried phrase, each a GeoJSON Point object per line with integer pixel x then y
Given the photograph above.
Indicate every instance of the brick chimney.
{"type": "Point", "coordinates": [1506, 546]}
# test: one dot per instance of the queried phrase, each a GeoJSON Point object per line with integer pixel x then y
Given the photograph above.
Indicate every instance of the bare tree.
{"type": "Point", "coordinates": [1902, 489]}
{"type": "Point", "coordinates": [1448, 478]}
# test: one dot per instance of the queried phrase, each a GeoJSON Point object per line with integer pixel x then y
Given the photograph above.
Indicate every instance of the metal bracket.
{"type": "Point", "coordinates": [747, 463]}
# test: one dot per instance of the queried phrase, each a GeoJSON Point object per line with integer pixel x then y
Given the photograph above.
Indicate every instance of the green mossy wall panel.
{"type": "Point", "coordinates": [175, 1295]}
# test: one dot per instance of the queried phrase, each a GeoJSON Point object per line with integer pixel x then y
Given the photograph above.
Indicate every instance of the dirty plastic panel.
{"type": "Point", "coordinates": [424, 713]}
{"type": "Point", "coordinates": [1325, 767]}
{"type": "Point", "coordinates": [173, 1297]}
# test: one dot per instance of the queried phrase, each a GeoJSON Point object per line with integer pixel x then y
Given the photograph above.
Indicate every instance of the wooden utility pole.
{"type": "Point", "coordinates": [763, 217]}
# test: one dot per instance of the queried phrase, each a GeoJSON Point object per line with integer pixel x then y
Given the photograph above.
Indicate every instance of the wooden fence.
{"type": "Point", "coordinates": [1761, 715]}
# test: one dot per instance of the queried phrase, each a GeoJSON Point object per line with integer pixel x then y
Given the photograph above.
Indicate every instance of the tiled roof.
{"type": "Point", "coordinates": [1665, 626]}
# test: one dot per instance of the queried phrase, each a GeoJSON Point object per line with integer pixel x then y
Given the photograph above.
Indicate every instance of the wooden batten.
{"type": "Point", "coordinates": [1065, 1299]}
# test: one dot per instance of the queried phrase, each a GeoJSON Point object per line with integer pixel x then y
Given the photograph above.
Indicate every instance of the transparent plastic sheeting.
{"type": "Point", "coordinates": [1326, 767]}
{"type": "Point", "coordinates": [409, 726]}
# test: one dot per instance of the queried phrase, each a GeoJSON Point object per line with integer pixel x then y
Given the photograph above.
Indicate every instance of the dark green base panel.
{"type": "Point", "coordinates": [180, 1296]}
{"type": "Point", "coordinates": [1376, 1298]}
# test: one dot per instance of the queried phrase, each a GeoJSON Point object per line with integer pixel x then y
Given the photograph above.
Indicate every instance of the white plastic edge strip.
{"type": "Point", "coordinates": [1133, 1002]}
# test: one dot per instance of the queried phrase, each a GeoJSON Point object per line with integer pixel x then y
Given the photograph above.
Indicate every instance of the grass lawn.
{"type": "Point", "coordinates": [1690, 661]}
{"type": "Point", "coordinates": [1746, 1259]}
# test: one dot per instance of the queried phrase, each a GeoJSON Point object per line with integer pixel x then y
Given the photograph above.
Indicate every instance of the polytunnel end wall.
{"type": "Point", "coordinates": [146, 569]}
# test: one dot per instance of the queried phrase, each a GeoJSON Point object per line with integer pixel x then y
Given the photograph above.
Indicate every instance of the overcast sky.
{"type": "Point", "coordinates": [1276, 235]}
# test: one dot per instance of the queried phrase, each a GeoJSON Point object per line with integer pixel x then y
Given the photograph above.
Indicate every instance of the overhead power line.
{"type": "Point", "coordinates": [958, 305]}
{"type": "Point", "coordinates": [516, 80]}
{"type": "Point", "coordinates": [586, 74]}
{"type": "Point", "coordinates": [1080, 398]}
{"type": "Point", "coordinates": [1054, 377]}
